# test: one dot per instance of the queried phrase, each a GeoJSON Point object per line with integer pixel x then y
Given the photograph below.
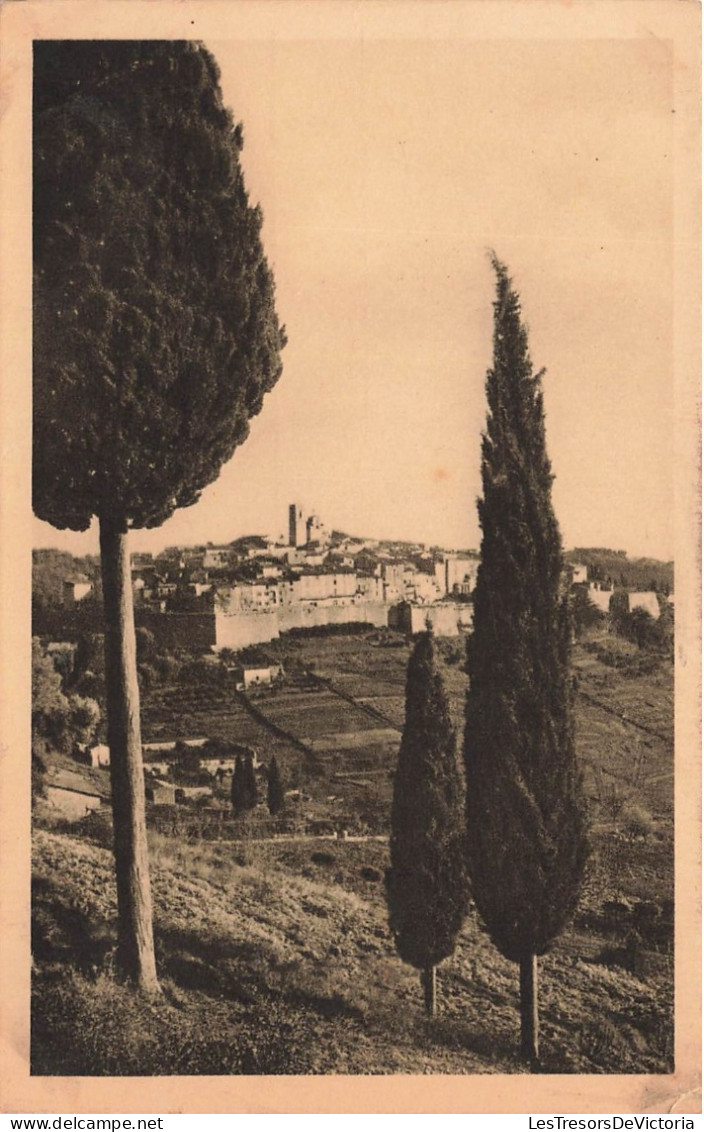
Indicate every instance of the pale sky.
{"type": "Point", "coordinates": [385, 170]}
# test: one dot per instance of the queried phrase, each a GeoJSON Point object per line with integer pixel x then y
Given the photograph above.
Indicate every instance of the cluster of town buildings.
{"type": "Point", "coordinates": [252, 590]}
{"type": "Point", "coordinates": [600, 593]}
{"type": "Point", "coordinates": [255, 588]}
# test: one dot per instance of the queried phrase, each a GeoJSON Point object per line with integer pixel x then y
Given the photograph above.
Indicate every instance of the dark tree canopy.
{"type": "Point", "coordinates": [237, 790]}
{"type": "Point", "coordinates": [60, 721]}
{"type": "Point", "coordinates": [527, 843]}
{"type": "Point", "coordinates": [249, 782]}
{"type": "Point", "coordinates": [156, 336]}
{"type": "Point", "coordinates": [243, 792]}
{"type": "Point", "coordinates": [275, 790]}
{"type": "Point", "coordinates": [426, 884]}
{"type": "Point", "coordinates": [585, 614]}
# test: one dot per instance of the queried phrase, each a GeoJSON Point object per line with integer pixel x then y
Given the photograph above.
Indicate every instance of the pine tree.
{"type": "Point", "coordinates": [155, 340]}
{"type": "Point", "coordinates": [426, 884]}
{"type": "Point", "coordinates": [274, 790]}
{"type": "Point", "coordinates": [526, 820]}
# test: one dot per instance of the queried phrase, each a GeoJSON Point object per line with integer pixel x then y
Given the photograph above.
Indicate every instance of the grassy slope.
{"type": "Point", "coordinates": [277, 959]}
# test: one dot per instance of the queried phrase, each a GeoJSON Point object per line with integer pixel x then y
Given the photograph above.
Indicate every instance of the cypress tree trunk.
{"type": "Point", "coordinates": [530, 1024]}
{"type": "Point", "coordinates": [135, 939]}
{"type": "Point", "coordinates": [430, 988]}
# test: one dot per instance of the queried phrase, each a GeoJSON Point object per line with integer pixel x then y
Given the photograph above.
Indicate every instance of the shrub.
{"type": "Point", "coordinates": [638, 822]}
{"type": "Point", "coordinates": [603, 1043]}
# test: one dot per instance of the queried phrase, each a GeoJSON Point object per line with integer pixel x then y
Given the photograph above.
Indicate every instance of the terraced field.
{"type": "Point", "coordinates": [356, 740]}
{"type": "Point", "coordinates": [177, 713]}
{"type": "Point", "coordinates": [335, 727]}
{"type": "Point", "coordinates": [314, 715]}
{"type": "Point", "coordinates": [625, 738]}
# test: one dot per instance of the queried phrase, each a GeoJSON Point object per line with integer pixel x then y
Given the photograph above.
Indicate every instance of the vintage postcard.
{"type": "Point", "coordinates": [350, 568]}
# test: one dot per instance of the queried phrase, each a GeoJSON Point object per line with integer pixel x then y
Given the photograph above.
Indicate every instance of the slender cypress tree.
{"type": "Point", "coordinates": [274, 790]}
{"type": "Point", "coordinates": [155, 340]}
{"type": "Point", "coordinates": [249, 782]}
{"type": "Point", "coordinates": [426, 884]}
{"type": "Point", "coordinates": [526, 819]}
{"type": "Point", "coordinates": [237, 789]}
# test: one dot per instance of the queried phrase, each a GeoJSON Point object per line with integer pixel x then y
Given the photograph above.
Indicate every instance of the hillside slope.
{"type": "Point", "coordinates": [277, 959]}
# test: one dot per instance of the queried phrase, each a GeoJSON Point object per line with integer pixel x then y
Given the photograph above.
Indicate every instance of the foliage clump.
{"type": "Point", "coordinates": [62, 722]}
{"type": "Point", "coordinates": [426, 884]}
{"type": "Point", "coordinates": [244, 790]}
{"type": "Point", "coordinates": [526, 819]}
{"type": "Point", "coordinates": [155, 334]}
{"type": "Point", "coordinates": [275, 790]}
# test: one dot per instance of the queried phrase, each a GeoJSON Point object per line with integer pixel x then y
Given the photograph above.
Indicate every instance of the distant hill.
{"type": "Point", "coordinates": [631, 573]}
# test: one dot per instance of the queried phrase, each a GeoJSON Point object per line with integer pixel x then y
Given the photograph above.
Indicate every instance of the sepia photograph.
{"type": "Point", "coordinates": [352, 421]}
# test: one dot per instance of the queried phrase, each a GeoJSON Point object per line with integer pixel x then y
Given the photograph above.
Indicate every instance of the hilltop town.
{"type": "Point", "coordinates": [251, 590]}
{"type": "Point", "coordinates": [257, 587]}
{"type": "Point", "coordinates": [298, 620]}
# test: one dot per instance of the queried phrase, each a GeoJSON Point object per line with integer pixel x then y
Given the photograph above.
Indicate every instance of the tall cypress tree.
{"type": "Point", "coordinates": [426, 884]}
{"type": "Point", "coordinates": [237, 788]}
{"type": "Point", "coordinates": [526, 819]}
{"type": "Point", "coordinates": [244, 793]}
{"type": "Point", "coordinates": [155, 340]}
{"type": "Point", "coordinates": [249, 781]}
{"type": "Point", "coordinates": [274, 790]}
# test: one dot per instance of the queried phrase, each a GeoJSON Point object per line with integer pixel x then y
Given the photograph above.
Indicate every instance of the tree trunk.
{"type": "Point", "coordinates": [529, 1009]}
{"type": "Point", "coordinates": [430, 988]}
{"type": "Point", "coordinates": [135, 939]}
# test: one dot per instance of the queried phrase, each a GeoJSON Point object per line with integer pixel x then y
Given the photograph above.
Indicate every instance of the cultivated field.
{"type": "Point", "coordinates": [276, 957]}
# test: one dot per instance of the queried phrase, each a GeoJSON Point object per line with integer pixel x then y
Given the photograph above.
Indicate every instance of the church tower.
{"type": "Point", "coordinates": [296, 525]}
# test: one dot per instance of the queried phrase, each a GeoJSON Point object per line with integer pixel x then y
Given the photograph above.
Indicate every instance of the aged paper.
{"type": "Point", "coordinates": [540, 51]}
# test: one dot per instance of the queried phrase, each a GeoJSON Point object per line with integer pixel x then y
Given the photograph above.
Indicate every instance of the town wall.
{"type": "Point", "coordinates": [444, 618]}
{"type": "Point", "coordinates": [241, 628]}
{"type": "Point", "coordinates": [238, 629]}
{"type": "Point", "coordinates": [72, 804]}
{"type": "Point", "coordinates": [305, 615]}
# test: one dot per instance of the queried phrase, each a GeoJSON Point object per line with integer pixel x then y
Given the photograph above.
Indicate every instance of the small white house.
{"type": "Point", "coordinates": [75, 589]}
{"type": "Point", "coordinates": [215, 766]}
{"type": "Point", "coordinates": [647, 600]}
{"type": "Point", "coordinates": [601, 598]}
{"type": "Point", "coordinates": [162, 768]}
{"type": "Point", "coordinates": [99, 755]}
{"type": "Point", "coordinates": [249, 676]}
{"type": "Point", "coordinates": [169, 744]}
{"type": "Point", "coordinates": [217, 557]}
{"type": "Point", "coordinates": [72, 795]}
{"type": "Point", "coordinates": [160, 793]}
